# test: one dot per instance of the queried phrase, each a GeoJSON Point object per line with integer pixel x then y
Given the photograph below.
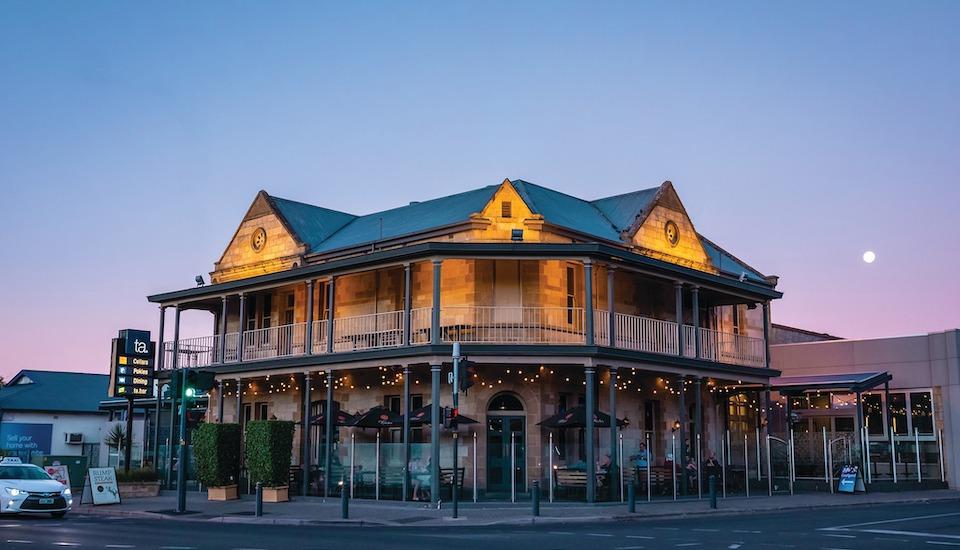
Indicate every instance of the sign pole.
{"type": "Point", "coordinates": [182, 451]}
{"type": "Point", "coordinates": [128, 440]}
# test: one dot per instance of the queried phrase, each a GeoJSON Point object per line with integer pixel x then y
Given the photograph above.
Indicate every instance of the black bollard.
{"type": "Point", "coordinates": [259, 511]}
{"type": "Point", "coordinates": [713, 492]}
{"type": "Point", "coordinates": [535, 497]}
{"type": "Point", "coordinates": [631, 499]}
{"type": "Point", "coordinates": [344, 501]}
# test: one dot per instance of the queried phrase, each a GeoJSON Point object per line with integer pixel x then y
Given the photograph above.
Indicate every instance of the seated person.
{"type": "Point", "coordinates": [642, 457]}
{"type": "Point", "coordinates": [420, 476]}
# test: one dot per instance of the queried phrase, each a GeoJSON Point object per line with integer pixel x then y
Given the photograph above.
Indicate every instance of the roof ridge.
{"type": "Point", "coordinates": [590, 203]}
{"type": "Point", "coordinates": [625, 194]}
{"type": "Point", "coordinates": [736, 259]}
{"type": "Point", "coordinates": [274, 197]}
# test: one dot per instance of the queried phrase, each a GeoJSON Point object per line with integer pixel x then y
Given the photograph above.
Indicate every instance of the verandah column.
{"type": "Point", "coordinates": [435, 312]}
{"type": "Point", "coordinates": [590, 408]}
{"type": "Point", "coordinates": [328, 430]}
{"type": "Point", "coordinates": [588, 300]}
{"type": "Point", "coordinates": [308, 347]}
{"type": "Point", "coordinates": [682, 462]}
{"type": "Point", "coordinates": [888, 421]}
{"type": "Point", "coordinates": [697, 439]}
{"type": "Point", "coordinates": [766, 334]}
{"type": "Point", "coordinates": [222, 347]}
{"type": "Point", "coordinates": [305, 446]}
{"type": "Point", "coordinates": [406, 431]}
{"type": "Point", "coordinates": [243, 325]}
{"type": "Point", "coordinates": [220, 396]}
{"type": "Point", "coordinates": [331, 294]}
{"type": "Point", "coordinates": [611, 306]}
{"type": "Point", "coordinates": [695, 304]}
{"type": "Point", "coordinates": [407, 305]}
{"type": "Point", "coordinates": [679, 313]}
{"type": "Point", "coordinates": [435, 431]}
{"type": "Point", "coordinates": [614, 462]}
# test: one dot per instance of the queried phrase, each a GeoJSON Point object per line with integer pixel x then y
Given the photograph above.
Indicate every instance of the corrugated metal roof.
{"type": "Point", "coordinates": [52, 391]}
{"type": "Point", "coordinates": [312, 224]}
{"type": "Point", "coordinates": [622, 210]}
{"type": "Point", "coordinates": [567, 211]}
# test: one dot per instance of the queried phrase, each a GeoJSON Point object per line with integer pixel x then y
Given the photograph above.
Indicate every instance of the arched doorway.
{"type": "Point", "coordinates": [506, 444]}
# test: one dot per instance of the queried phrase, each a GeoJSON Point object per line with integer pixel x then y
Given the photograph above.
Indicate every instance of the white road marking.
{"type": "Point", "coordinates": [943, 543]}
{"type": "Point", "coordinates": [746, 531]}
{"type": "Point", "coordinates": [119, 546]}
{"type": "Point", "coordinates": [10, 525]}
{"type": "Point", "coordinates": [17, 541]}
{"type": "Point", "coordinates": [629, 547]}
{"type": "Point", "coordinates": [599, 535]}
{"type": "Point", "coordinates": [734, 546]}
{"type": "Point", "coordinates": [701, 530]}
{"type": "Point", "coordinates": [689, 544]}
{"type": "Point", "coordinates": [640, 537]}
{"type": "Point", "coordinates": [840, 527]}
{"type": "Point", "coordinates": [560, 533]}
{"type": "Point", "coordinates": [839, 536]}
{"type": "Point", "coordinates": [909, 534]}
{"type": "Point", "coordinates": [178, 548]}
{"type": "Point", "coordinates": [62, 543]}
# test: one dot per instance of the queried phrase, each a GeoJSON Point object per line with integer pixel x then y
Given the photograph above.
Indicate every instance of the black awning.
{"type": "Point", "coordinates": [853, 382]}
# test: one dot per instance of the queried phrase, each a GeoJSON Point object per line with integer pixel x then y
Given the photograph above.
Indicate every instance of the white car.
{"type": "Point", "coordinates": [28, 489]}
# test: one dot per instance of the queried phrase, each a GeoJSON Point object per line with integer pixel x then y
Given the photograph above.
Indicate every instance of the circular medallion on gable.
{"type": "Point", "coordinates": [672, 233]}
{"type": "Point", "coordinates": [259, 239]}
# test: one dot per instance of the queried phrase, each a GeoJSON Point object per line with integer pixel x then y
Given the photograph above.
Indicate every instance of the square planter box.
{"type": "Point", "coordinates": [276, 494]}
{"type": "Point", "coordinates": [139, 489]}
{"type": "Point", "coordinates": [226, 492]}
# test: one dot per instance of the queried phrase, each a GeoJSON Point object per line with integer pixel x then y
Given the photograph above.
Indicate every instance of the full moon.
{"type": "Point", "coordinates": [869, 256]}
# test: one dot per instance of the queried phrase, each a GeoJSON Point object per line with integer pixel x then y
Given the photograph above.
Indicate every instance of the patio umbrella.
{"type": "Point", "coordinates": [342, 418]}
{"type": "Point", "coordinates": [378, 417]}
{"type": "Point", "coordinates": [423, 415]}
{"type": "Point", "coordinates": [576, 417]}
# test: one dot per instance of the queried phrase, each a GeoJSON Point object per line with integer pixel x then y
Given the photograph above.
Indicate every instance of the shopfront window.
{"type": "Point", "coordinates": [873, 413]}
{"type": "Point", "coordinates": [921, 412]}
{"type": "Point", "coordinates": [898, 413]}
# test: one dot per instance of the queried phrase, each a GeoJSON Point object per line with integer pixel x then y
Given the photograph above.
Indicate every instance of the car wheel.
{"type": "Point", "coordinates": [58, 515]}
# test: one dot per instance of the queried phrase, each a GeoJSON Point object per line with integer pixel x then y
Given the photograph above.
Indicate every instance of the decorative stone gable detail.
{"type": "Point", "coordinates": [667, 233]}
{"type": "Point", "coordinates": [262, 244]}
{"type": "Point", "coordinates": [505, 212]}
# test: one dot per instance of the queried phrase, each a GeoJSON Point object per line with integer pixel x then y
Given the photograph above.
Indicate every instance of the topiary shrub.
{"type": "Point", "coordinates": [216, 448]}
{"type": "Point", "coordinates": [269, 446]}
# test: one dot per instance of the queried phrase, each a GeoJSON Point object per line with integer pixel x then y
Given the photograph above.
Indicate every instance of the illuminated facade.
{"type": "Point", "coordinates": [616, 304]}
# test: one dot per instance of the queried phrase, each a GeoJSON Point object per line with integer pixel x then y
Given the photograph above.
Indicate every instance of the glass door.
{"type": "Point", "coordinates": [506, 450]}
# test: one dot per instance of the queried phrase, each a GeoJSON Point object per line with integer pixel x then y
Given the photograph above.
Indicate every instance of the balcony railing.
{"type": "Point", "coordinates": [472, 325]}
{"type": "Point", "coordinates": [512, 325]}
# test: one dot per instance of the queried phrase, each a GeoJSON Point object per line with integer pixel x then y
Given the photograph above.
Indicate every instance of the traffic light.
{"type": "Point", "coordinates": [173, 386]}
{"type": "Point", "coordinates": [466, 374]}
{"type": "Point", "coordinates": [199, 382]}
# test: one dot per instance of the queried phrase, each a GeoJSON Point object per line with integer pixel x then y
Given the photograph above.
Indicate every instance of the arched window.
{"type": "Point", "coordinates": [505, 402]}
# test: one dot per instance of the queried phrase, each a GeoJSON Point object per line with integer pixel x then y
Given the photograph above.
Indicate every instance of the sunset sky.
{"type": "Point", "coordinates": [134, 135]}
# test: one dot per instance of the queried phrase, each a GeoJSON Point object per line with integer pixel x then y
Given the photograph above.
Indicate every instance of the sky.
{"type": "Point", "coordinates": [134, 135]}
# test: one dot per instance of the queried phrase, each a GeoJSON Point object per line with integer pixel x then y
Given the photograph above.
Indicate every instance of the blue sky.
{"type": "Point", "coordinates": [134, 135]}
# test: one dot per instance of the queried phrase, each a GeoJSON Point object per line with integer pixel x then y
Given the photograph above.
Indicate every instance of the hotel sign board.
{"type": "Point", "coordinates": [132, 369]}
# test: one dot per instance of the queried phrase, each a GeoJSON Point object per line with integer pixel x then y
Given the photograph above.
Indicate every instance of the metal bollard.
{"type": "Point", "coordinates": [631, 499]}
{"type": "Point", "coordinates": [344, 502]}
{"type": "Point", "coordinates": [713, 492]}
{"type": "Point", "coordinates": [259, 511]}
{"type": "Point", "coordinates": [535, 497]}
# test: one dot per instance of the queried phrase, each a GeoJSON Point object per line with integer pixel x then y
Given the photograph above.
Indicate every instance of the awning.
{"type": "Point", "coordinates": [851, 382]}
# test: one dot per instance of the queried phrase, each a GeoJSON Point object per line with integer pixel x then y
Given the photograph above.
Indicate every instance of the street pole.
{"type": "Point", "coordinates": [128, 444]}
{"type": "Point", "coordinates": [182, 455]}
{"type": "Point", "coordinates": [456, 438]}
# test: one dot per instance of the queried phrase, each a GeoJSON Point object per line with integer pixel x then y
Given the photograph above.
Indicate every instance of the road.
{"type": "Point", "coordinates": [935, 525]}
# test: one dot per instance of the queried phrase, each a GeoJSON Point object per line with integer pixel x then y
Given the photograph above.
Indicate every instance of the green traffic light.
{"type": "Point", "coordinates": [190, 392]}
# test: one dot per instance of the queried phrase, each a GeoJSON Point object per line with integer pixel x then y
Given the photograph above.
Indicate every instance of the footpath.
{"type": "Point", "coordinates": [321, 511]}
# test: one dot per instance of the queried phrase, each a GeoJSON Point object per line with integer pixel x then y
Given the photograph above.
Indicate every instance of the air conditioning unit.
{"type": "Point", "coordinates": [73, 438]}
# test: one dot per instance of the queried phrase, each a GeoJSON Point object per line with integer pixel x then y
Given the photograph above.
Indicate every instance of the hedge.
{"type": "Point", "coordinates": [269, 447]}
{"type": "Point", "coordinates": [216, 448]}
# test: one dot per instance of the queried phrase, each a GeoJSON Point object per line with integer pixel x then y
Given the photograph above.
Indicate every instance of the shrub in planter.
{"type": "Point", "coordinates": [269, 446]}
{"type": "Point", "coordinates": [141, 482]}
{"type": "Point", "coordinates": [216, 448]}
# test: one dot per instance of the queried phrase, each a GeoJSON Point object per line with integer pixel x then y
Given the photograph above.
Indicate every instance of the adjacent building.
{"type": "Point", "coordinates": [565, 306]}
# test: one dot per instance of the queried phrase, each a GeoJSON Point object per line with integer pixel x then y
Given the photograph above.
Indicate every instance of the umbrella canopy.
{"type": "Point", "coordinates": [341, 418]}
{"type": "Point", "coordinates": [423, 416]}
{"type": "Point", "coordinates": [576, 417]}
{"type": "Point", "coordinates": [378, 417]}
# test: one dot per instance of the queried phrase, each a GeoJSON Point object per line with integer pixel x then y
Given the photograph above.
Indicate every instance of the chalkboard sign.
{"type": "Point", "coordinates": [850, 480]}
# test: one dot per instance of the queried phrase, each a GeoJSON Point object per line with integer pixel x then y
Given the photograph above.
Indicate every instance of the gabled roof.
{"type": "Point", "coordinates": [310, 224]}
{"type": "Point", "coordinates": [53, 391]}
{"type": "Point", "coordinates": [323, 230]}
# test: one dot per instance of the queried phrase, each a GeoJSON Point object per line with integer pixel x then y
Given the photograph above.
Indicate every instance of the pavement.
{"type": "Point", "coordinates": [320, 511]}
{"type": "Point", "coordinates": [870, 527]}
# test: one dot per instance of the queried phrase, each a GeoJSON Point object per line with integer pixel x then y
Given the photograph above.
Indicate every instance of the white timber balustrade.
{"type": "Point", "coordinates": [735, 349]}
{"type": "Point", "coordinates": [513, 324]}
{"type": "Point", "coordinates": [372, 331]}
{"type": "Point", "coordinates": [319, 344]}
{"type": "Point", "coordinates": [645, 334]}
{"type": "Point", "coordinates": [689, 345]}
{"type": "Point", "coordinates": [601, 327]}
{"type": "Point", "coordinates": [271, 342]}
{"type": "Point", "coordinates": [420, 325]}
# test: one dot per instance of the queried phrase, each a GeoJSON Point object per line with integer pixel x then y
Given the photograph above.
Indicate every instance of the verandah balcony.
{"type": "Point", "coordinates": [473, 325]}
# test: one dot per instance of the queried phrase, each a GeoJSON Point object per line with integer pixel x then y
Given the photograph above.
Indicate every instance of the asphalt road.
{"type": "Point", "coordinates": [894, 526]}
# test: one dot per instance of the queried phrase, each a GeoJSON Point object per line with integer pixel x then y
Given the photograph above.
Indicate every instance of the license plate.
{"type": "Point", "coordinates": [46, 501]}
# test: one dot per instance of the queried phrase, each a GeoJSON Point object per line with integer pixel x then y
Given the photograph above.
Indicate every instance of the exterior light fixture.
{"type": "Point", "coordinates": [199, 280]}
{"type": "Point", "coordinates": [676, 425]}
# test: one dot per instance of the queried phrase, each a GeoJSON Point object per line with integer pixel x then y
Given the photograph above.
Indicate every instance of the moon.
{"type": "Point", "coordinates": [869, 256]}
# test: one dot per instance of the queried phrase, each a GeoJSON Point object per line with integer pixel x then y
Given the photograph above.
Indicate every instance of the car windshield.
{"type": "Point", "coordinates": [22, 472]}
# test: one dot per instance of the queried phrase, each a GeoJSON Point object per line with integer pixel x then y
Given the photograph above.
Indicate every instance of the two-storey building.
{"type": "Point", "coordinates": [616, 305]}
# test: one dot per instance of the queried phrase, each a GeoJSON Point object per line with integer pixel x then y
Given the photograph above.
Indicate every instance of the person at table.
{"type": "Point", "coordinates": [603, 464]}
{"type": "Point", "coordinates": [642, 457]}
{"type": "Point", "coordinates": [690, 472]}
{"type": "Point", "coordinates": [420, 475]}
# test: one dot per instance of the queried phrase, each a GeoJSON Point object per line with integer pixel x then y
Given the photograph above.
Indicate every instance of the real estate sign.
{"type": "Point", "coordinates": [20, 437]}
{"type": "Point", "coordinates": [132, 369]}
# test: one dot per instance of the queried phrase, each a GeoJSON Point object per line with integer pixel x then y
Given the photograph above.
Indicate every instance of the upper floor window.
{"type": "Point", "coordinates": [737, 326]}
{"type": "Point", "coordinates": [506, 209]}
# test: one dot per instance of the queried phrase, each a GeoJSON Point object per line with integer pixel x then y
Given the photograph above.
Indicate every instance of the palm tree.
{"type": "Point", "coordinates": [116, 437]}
